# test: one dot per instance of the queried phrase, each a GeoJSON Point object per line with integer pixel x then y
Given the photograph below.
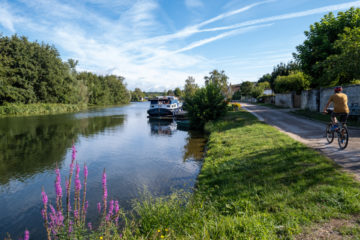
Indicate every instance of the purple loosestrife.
{"type": "Point", "coordinates": [58, 190]}
{"type": "Point", "coordinates": [105, 193]}
{"type": "Point", "coordinates": [27, 235]}
{"type": "Point", "coordinates": [117, 208]}
{"type": "Point", "coordinates": [44, 213]}
{"type": "Point", "coordinates": [90, 226]}
{"type": "Point", "coordinates": [99, 207]}
{"type": "Point", "coordinates": [77, 189]}
{"type": "Point", "coordinates": [84, 193]}
{"type": "Point", "coordinates": [68, 185]}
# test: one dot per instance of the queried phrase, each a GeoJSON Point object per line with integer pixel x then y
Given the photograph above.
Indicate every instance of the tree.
{"type": "Point", "coordinates": [265, 78]}
{"type": "Point", "coordinates": [344, 68]}
{"type": "Point", "coordinates": [296, 81]}
{"type": "Point", "coordinates": [170, 93]}
{"type": "Point", "coordinates": [177, 92]}
{"type": "Point", "coordinates": [218, 78]}
{"type": "Point", "coordinates": [190, 87]}
{"type": "Point", "coordinates": [246, 88]}
{"type": "Point", "coordinates": [206, 104]}
{"type": "Point", "coordinates": [137, 95]}
{"type": "Point", "coordinates": [319, 43]}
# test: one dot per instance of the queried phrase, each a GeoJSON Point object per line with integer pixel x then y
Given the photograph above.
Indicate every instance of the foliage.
{"type": "Point", "coordinates": [39, 108]}
{"type": "Point", "coordinates": [177, 92]}
{"type": "Point", "coordinates": [246, 88]}
{"type": "Point", "coordinates": [205, 105]}
{"type": "Point", "coordinates": [343, 68]}
{"type": "Point", "coordinates": [255, 183]}
{"type": "Point", "coordinates": [34, 73]}
{"type": "Point", "coordinates": [320, 43]}
{"type": "Point", "coordinates": [219, 79]}
{"type": "Point", "coordinates": [104, 90]}
{"type": "Point", "coordinates": [234, 106]}
{"type": "Point", "coordinates": [282, 69]}
{"type": "Point", "coordinates": [265, 78]}
{"type": "Point", "coordinates": [137, 95]}
{"type": "Point", "coordinates": [190, 87]}
{"type": "Point", "coordinates": [236, 95]}
{"type": "Point", "coordinates": [170, 93]}
{"type": "Point", "coordinates": [296, 81]}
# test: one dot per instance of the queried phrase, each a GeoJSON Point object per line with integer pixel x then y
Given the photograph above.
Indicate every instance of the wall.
{"type": "Point", "coordinates": [353, 93]}
{"type": "Point", "coordinates": [284, 100]}
{"type": "Point", "coordinates": [310, 100]}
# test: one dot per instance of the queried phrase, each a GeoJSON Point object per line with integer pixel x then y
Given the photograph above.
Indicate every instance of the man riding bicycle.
{"type": "Point", "coordinates": [341, 108]}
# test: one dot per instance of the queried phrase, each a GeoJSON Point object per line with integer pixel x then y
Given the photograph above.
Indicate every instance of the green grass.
{"type": "Point", "coordinates": [39, 109]}
{"type": "Point", "coordinates": [323, 117]}
{"type": "Point", "coordinates": [255, 183]}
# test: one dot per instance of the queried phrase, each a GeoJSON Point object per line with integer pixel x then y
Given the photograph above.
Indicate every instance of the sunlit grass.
{"type": "Point", "coordinates": [255, 183]}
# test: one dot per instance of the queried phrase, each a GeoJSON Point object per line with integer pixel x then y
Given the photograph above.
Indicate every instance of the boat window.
{"type": "Point", "coordinates": [168, 105]}
{"type": "Point", "coordinates": [154, 102]}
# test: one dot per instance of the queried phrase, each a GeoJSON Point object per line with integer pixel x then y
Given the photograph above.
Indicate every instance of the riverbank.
{"type": "Point", "coordinates": [255, 183]}
{"type": "Point", "coordinates": [39, 109]}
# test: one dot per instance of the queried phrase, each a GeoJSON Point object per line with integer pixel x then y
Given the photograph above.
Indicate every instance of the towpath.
{"type": "Point", "coordinates": [312, 133]}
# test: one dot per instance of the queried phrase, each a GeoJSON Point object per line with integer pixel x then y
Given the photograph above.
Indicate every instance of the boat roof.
{"type": "Point", "coordinates": [162, 98]}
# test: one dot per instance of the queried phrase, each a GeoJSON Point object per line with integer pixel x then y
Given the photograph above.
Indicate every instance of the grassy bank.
{"type": "Point", "coordinates": [322, 117]}
{"type": "Point", "coordinates": [39, 108]}
{"type": "Point", "coordinates": [255, 183]}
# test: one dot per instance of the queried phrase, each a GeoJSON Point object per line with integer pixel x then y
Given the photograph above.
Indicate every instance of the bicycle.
{"type": "Point", "coordinates": [341, 131]}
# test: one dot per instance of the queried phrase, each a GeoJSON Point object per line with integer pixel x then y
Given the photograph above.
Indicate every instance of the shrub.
{"type": "Point", "coordinates": [207, 104]}
{"type": "Point", "coordinates": [296, 81]}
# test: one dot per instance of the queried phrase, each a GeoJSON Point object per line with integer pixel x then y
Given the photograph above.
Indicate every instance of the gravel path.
{"type": "Point", "coordinates": [312, 133]}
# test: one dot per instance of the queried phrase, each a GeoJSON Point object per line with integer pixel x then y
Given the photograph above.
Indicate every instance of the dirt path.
{"type": "Point", "coordinates": [312, 133]}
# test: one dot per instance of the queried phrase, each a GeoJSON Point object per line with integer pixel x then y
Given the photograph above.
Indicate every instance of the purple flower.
{"type": "Point", "coordinates": [117, 208]}
{"type": "Point", "coordinates": [99, 207]}
{"type": "Point", "coordinates": [90, 226]}
{"type": "Point", "coordinates": [104, 186]}
{"type": "Point", "coordinates": [27, 235]}
{"type": "Point", "coordinates": [85, 171]}
{"type": "Point", "coordinates": [44, 197]}
{"type": "Point", "coordinates": [77, 179]}
{"type": "Point", "coordinates": [70, 226]}
{"type": "Point", "coordinates": [73, 152]}
{"type": "Point", "coordinates": [76, 214]}
{"type": "Point", "coordinates": [58, 188]}
{"type": "Point", "coordinates": [86, 206]}
{"type": "Point", "coordinates": [120, 235]}
{"type": "Point", "coordinates": [111, 207]}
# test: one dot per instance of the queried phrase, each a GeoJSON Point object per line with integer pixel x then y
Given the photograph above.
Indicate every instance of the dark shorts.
{"type": "Point", "coordinates": [342, 117]}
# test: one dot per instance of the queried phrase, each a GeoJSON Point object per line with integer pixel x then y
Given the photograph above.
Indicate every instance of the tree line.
{"type": "Point", "coordinates": [32, 72]}
{"type": "Point", "coordinates": [329, 56]}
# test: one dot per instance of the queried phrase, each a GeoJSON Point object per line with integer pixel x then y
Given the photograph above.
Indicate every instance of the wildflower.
{"type": "Point", "coordinates": [159, 230]}
{"type": "Point", "coordinates": [120, 235]}
{"type": "Point", "coordinates": [27, 235]}
{"type": "Point", "coordinates": [44, 197]}
{"type": "Point", "coordinates": [90, 226]}
{"type": "Point", "coordinates": [101, 238]}
{"type": "Point", "coordinates": [99, 207]}
{"type": "Point", "coordinates": [105, 190]}
{"type": "Point", "coordinates": [77, 179]}
{"type": "Point", "coordinates": [58, 184]}
{"type": "Point", "coordinates": [162, 236]}
{"type": "Point", "coordinates": [166, 229]}
{"type": "Point", "coordinates": [73, 152]}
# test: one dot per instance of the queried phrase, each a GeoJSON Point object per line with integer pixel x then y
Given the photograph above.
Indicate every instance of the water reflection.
{"type": "Point", "coordinates": [195, 146]}
{"type": "Point", "coordinates": [162, 126]}
{"type": "Point", "coordinates": [33, 144]}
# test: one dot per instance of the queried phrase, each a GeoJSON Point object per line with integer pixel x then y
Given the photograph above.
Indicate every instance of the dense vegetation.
{"type": "Point", "coordinates": [255, 183]}
{"type": "Point", "coordinates": [207, 103]}
{"type": "Point", "coordinates": [31, 72]}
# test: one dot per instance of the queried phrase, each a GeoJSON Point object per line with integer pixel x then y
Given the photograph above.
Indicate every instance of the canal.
{"type": "Point", "coordinates": [138, 155]}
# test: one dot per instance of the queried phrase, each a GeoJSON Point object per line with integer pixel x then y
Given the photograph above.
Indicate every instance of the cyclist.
{"type": "Point", "coordinates": [341, 108]}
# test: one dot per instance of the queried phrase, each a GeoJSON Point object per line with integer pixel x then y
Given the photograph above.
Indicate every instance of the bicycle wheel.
{"type": "Point", "coordinates": [343, 138]}
{"type": "Point", "coordinates": [329, 133]}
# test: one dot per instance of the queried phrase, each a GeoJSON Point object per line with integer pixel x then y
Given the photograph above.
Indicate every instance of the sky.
{"type": "Point", "coordinates": [157, 44]}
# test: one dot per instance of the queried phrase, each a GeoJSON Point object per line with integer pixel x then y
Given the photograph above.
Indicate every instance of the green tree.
{"type": "Point", "coordinates": [246, 88]}
{"type": "Point", "coordinates": [319, 43]}
{"type": "Point", "coordinates": [344, 67]}
{"type": "Point", "coordinates": [177, 92]}
{"type": "Point", "coordinates": [265, 78]}
{"type": "Point", "coordinates": [190, 87]}
{"type": "Point", "coordinates": [296, 81]}
{"type": "Point", "coordinates": [206, 104]}
{"type": "Point", "coordinates": [218, 78]}
{"type": "Point", "coordinates": [137, 95]}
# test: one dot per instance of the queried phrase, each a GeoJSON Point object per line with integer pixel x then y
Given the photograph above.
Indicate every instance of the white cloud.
{"type": "Point", "coordinates": [7, 20]}
{"type": "Point", "coordinates": [193, 3]}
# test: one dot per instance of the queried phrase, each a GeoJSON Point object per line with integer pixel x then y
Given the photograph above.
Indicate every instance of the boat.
{"type": "Point", "coordinates": [164, 106]}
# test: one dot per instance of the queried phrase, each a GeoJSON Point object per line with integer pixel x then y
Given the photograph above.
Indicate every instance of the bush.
{"type": "Point", "coordinates": [296, 81]}
{"type": "Point", "coordinates": [207, 104]}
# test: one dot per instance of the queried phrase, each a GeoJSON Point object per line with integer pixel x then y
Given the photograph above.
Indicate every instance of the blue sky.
{"type": "Point", "coordinates": [157, 44]}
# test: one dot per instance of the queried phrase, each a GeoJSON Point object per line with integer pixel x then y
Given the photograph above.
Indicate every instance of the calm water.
{"type": "Point", "coordinates": [137, 153]}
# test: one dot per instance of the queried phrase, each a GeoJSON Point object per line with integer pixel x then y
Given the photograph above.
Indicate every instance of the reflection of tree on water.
{"type": "Point", "coordinates": [33, 144]}
{"type": "Point", "coordinates": [162, 127]}
{"type": "Point", "coordinates": [195, 147]}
